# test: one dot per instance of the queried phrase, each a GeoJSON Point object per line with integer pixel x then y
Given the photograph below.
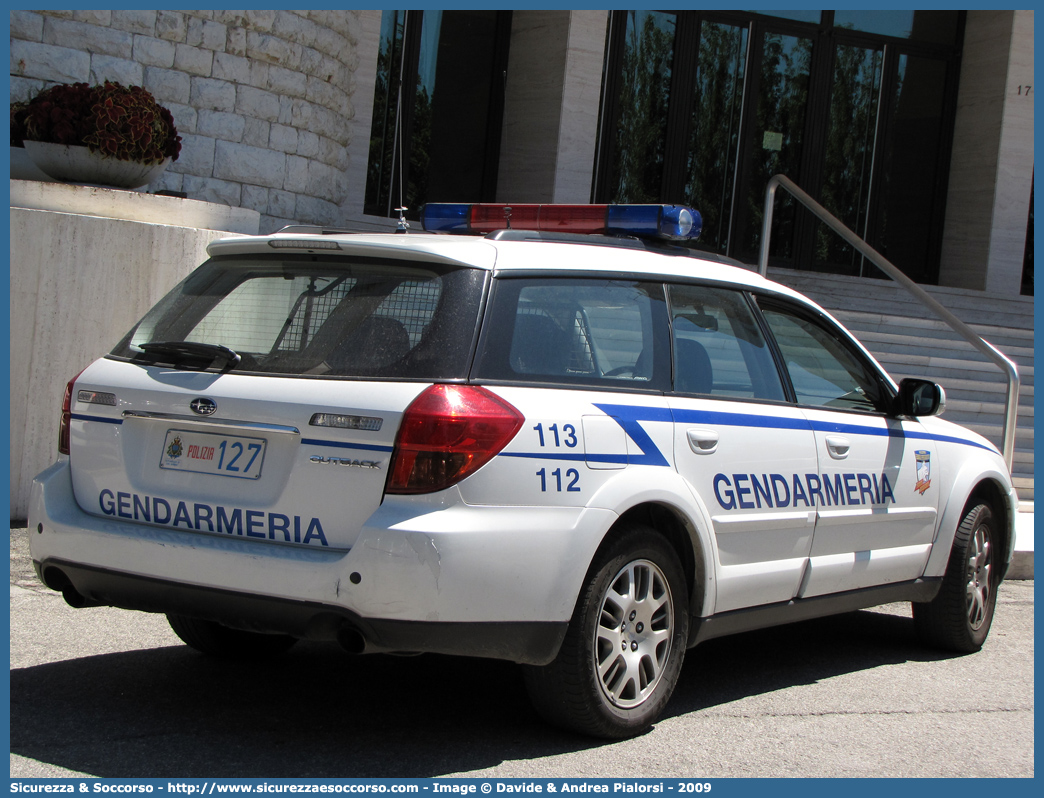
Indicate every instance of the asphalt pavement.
{"type": "Point", "coordinates": [110, 693]}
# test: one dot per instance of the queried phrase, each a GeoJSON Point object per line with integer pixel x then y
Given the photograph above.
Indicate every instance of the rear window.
{"type": "Point", "coordinates": [600, 333]}
{"type": "Point", "coordinates": [321, 317]}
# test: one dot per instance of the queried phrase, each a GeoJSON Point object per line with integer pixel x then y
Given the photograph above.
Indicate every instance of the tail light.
{"type": "Point", "coordinates": [63, 425]}
{"type": "Point", "coordinates": [447, 434]}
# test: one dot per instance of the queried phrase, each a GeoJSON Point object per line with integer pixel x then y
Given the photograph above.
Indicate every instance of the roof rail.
{"type": "Point", "coordinates": [608, 240]}
{"type": "Point", "coordinates": [1010, 370]}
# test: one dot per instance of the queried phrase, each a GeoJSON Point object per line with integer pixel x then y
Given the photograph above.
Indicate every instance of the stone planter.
{"type": "Point", "coordinates": [79, 165]}
{"type": "Point", "coordinates": [23, 168]}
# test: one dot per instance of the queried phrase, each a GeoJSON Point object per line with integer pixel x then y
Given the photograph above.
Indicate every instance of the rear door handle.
{"type": "Point", "coordinates": [702, 441]}
{"type": "Point", "coordinates": [838, 447]}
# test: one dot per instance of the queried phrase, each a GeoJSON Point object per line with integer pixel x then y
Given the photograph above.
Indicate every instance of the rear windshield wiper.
{"type": "Point", "coordinates": [188, 355]}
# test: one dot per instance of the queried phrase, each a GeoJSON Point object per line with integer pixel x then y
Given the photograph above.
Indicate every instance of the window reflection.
{"type": "Point", "coordinates": [636, 172]}
{"type": "Point", "coordinates": [442, 129]}
{"type": "Point", "coordinates": [928, 26]}
{"type": "Point", "coordinates": [779, 124]}
{"type": "Point", "coordinates": [911, 167]}
{"type": "Point", "coordinates": [849, 154]}
{"type": "Point", "coordinates": [799, 16]}
{"type": "Point", "coordinates": [383, 127]}
{"type": "Point", "coordinates": [715, 128]}
{"type": "Point", "coordinates": [850, 107]}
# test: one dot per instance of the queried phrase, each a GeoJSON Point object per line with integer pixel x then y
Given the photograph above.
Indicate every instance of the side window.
{"type": "Point", "coordinates": [598, 332]}
{"type": "Point", "coordinates": [718, 347]}
{"type": "Point", "coordinates": [823, 369]}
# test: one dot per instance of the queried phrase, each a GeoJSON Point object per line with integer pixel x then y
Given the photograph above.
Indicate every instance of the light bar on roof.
{"type": "Point", "coordinates": [673, 222]}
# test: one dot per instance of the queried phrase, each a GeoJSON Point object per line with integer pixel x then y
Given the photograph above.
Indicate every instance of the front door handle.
{"type": "Point", "coordinates": [702, 441]}
{"type": "Point", "coordinates": [838, 446]}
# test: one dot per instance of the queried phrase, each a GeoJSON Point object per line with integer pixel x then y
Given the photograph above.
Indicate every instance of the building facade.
{"type": "Point", "coordinates": [913, 127]}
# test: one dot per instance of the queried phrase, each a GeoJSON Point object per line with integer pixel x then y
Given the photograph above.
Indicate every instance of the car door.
{"type": "Point", "coordinates": [875, 507]}
{"type": "Point", "coordinates": [740, 446]}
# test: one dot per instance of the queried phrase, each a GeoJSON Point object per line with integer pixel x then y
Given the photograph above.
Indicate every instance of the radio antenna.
{"type": "Point", "coordinates": [399, 134]}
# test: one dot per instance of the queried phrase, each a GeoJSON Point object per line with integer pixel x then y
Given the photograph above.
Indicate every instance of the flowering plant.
{"type": "Point", "coordinates": [122, 122]}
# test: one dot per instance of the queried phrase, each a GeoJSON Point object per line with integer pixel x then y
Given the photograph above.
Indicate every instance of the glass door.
{"type": "Point", "coordinates": [704, 107]}
{"type": "Point", "coordinates": [437, 113]}
{"type": "Point", "coordinates": [911, 198]}
{"type": "Point", "coordinates": [848, 156]}
{"type": "Point", "coordinates": [635, 123]}
{"type": "Point", "coordinates": [714, 129]}
{"type": "Point", "coordinates": [774, 139]}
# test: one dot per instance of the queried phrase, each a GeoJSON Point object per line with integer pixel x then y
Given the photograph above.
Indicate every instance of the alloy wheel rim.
{"type": "Point", "coordinates": [634, 632]}
{"type": "Point", "coordinates": [979, 588]}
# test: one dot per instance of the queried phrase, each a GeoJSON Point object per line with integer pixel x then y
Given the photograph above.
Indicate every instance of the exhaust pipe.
{"type": "Point", "coordinates": [56, 579]}
{"type": "Point", "coordinates": [351, 640]}
{"type": "Point", "coordinates": [74, 599]}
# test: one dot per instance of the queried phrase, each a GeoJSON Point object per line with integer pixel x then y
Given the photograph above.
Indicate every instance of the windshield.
{"type": "Point", "coordinates": [315, 316]}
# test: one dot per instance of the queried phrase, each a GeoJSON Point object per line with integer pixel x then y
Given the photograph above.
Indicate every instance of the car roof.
{"type": "Point", "coordinates": [517, 251]}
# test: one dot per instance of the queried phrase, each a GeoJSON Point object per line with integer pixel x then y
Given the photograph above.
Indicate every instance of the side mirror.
{"type": "Point", "coordinates": [920, 398]}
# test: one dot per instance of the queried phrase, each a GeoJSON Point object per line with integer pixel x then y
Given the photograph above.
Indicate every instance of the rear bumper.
{"type": "Point", "coordinates": [534, 643]}
{"type": "Point", "coordinates": [427, 573]}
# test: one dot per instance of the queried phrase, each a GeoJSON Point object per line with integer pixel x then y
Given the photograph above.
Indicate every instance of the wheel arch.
{"type": "Point", "coordinates": [683, 536]}
{"type": "Point", "coordinates": [990, 492]}
{"type": "Point", "coordinates": [973, 486]}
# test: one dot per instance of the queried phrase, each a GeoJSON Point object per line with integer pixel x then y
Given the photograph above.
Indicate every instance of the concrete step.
{"type": "Point", "coordinates": [973, 407]}
{"type": "Point", "coordinates": [931, 328]}
{"type": "Point", "coordinates": [989, 393]}
{"type": "Point", "coordinates": [989, 398]}
{"type": "Point", "coordinates": [870, 295]}
{"type": "Point", "coordinates": [899, 303]}
{"type": "Point", "coordinates": [1022, 458]}
{"type": "Point", "coordinates": [1023, 486]}
{"type": "Point", "coordinates": [930, 338]}
{"type": "Point", "coordinates": [995, 433]}
{"type": "Point", "coordinates": [975, 369]}
{"type": "Point", "coordinates": [968, 418]}
{"type": "Point", "coordinates": [909, 340]}
{"type": "Point", "coordinates": [990, 390]}
{"type": "Point", "coordinates": [938, 368]}
{"type": "Point", "coordinates": [897, 343]}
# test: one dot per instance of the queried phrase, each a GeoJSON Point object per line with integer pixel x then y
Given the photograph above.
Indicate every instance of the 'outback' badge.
{"type": "Point", "coordinates": [347, 462]}
{"type": "Point", "coordinates": [203, 406]}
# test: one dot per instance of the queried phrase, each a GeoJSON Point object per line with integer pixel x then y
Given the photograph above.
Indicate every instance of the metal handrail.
{"type": "Point", "coordinates": [1011, 408]}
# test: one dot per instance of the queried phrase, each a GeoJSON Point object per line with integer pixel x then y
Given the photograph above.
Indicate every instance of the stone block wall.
{"type": "Point", "coordinates": [263, 100]}
{"type": "Point", "coordinates": [76, 286]}
{"type": "Point", "coordinates": [991, 172]}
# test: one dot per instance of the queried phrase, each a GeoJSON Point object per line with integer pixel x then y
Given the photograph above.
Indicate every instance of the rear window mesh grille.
{"type": "Point", "coordinates": [316, 318]}
{"type": "Point", "coordinates": [311, 315]}
{"type": "Point", "coordinates": [412, 304]}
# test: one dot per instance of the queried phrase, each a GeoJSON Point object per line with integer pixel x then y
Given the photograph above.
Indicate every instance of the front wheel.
{"type": "Point", "coordinates": [623, 652]}
{"type": "Point", "coordinates": [959, 617]}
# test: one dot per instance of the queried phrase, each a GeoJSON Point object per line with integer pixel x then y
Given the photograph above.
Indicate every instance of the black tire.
{"type": "Point", "coordinates": [217, 640]}
{"type": "Point", "coordinates": [623, 652]}
{"type": "Point", "coordinates": [959, 617]}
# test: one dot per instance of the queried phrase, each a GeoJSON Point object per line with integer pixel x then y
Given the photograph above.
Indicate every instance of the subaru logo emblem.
{"type": "Point", "coordinates": [203, 406]}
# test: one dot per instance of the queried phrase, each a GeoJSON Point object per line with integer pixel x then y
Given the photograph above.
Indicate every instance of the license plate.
{"type": "Point", "coordinates": [206, 453]}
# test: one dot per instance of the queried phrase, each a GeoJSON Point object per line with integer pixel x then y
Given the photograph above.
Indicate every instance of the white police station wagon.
{"type": "Point", "coordinates": [581, 453]}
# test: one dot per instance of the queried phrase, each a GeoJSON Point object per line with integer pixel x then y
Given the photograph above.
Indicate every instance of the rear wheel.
{"type": "Point", "coordinates": [959, 617]}
{"type": "Point", "coordinates": [218, 640]}
{"type": "Point", "coordinates": [623, 652]}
